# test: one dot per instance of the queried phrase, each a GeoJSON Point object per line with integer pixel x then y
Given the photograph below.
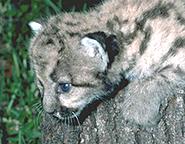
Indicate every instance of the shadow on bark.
{"type": "Point", "coordinates": [106, 125]}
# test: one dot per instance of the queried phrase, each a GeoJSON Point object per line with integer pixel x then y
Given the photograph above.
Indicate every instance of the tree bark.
{"type": "Point", "coordinates": [106, 125]}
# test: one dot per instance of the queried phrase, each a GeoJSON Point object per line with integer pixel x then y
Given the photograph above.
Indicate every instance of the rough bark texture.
{"type": "Point", "coordinates": [106, 125]}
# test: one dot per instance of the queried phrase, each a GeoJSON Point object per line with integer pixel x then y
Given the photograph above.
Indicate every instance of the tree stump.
{"type": "Point", "coordinates": [106, 125]}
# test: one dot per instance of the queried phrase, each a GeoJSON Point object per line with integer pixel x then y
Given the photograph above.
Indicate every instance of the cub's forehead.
{"type": "Point", "coordinates": [74, 74]}
{"type": "Point", "coordinates": [57, 48]}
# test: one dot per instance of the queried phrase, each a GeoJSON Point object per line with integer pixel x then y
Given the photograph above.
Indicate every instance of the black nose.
{"type": "Point", "coordinates": [64, 109]}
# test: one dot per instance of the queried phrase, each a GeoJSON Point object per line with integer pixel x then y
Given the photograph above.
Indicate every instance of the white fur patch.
{"type": "Point", "coordinates": [36, 27]}
{"type": "Point", "coordinates": [93, 48]}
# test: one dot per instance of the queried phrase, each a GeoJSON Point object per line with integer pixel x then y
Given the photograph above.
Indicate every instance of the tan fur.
{"type": "Point", "coordinates": [67, 61]}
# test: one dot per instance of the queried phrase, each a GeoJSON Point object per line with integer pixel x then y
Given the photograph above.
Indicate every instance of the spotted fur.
{"type": "Point", "coordinates": [143, 41]}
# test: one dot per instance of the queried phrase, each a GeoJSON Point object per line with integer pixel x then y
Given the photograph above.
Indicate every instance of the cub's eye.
{"type": "Point", "coordinates": [63, 87]}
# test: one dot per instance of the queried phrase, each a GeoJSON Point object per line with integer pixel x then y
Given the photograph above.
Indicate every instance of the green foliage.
{"type": "Point", "coordinates": [18, 92]}
{"type": "Point", "coordinates": [19, 121]}
{"type": "Point", "coordinates": [17, 89]}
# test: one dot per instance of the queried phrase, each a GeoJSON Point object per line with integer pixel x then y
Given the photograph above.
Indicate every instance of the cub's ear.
{"type": "Point", "coordinates": [92, 47]}
{"type": "Point", "coordinates": [99, 37]}
{"type": "Point", "coordinates": [95, 50]}
{"type": "Point", "coordinates": [94, 43]}
{"type": "Point", "coordinates": [35, 26]}
{"type": "Point", "coordinates": [99, 42]}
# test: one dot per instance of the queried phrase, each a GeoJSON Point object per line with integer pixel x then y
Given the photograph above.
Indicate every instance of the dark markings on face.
{"type": "Point", "coordinates": [60, 38]}
{"type": "Point", "coordinates": [80, 84]}
{"type": "Point", "coordinates": [41, 62]}
{"type": "Point", "coordinates": [69, 23]}
{"type": "Point", "coordinates": [55, 79]}
{"type": "Point", "coordinates": [73, 34]}
{"type": "Point", "coordinates": [115, 22]}
{"type": "Point", "coordinates": [52, 36]}
{"type": "Point", "coordinates": [146, 40]}
{"type": "Point", "coordinates": [88, 85]}
{"type": "Point", "coordinates": [49, 41]}
{"type": "Point", "coordinates": [51, 31]}
{"type": "Point", "coordinates": [41, 88]}
{"type": "Point", "coordinates": [53, 76]}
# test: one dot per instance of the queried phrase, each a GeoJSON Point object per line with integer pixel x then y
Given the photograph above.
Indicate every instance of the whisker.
{"type": "Point", "coordinates": [58, 121]}
{"type": "Point", "coordinates": [37, 107]}
{"type": "Point", "coordinates": [70, 121]}
{"type": "Point", "coordinates": [38, 116]}
{"type": "Point", "coordinates": [38, 103]}
{"type": "Point", "coordinates": [65, 121]}
{"type": "Point", "coordinates": [73, 123]}
{"type": "Point", "coordinates": [77, 119]}
{"type": "Point", "coordinates": [102, 99]}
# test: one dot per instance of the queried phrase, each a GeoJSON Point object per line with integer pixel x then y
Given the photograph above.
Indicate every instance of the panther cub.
{"type": "Point", "coordinates": [79, 58]}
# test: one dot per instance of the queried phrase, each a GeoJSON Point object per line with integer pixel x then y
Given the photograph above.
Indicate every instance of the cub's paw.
{"type": "Point", "coordinates": [141, 110]}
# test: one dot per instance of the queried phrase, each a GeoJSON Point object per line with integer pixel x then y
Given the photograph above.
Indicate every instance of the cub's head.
{"type": "Point", "coordinates": [70, 71]}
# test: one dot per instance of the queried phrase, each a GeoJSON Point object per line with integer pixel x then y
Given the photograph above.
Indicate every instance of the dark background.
{"type": "Point", "coordinates": [20, 107]}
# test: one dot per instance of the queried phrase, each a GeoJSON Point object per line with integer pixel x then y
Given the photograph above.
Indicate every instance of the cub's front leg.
{"type": "Point", "coordinates": [142, 100]}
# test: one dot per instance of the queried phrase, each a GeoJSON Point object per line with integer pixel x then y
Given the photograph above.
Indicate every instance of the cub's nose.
{"type": "Point", "coordinates": [63, 112]}
{"type": "Point", "coordinates": [64, 109]}
{"type": "Point", "coordinates": [60, 109]}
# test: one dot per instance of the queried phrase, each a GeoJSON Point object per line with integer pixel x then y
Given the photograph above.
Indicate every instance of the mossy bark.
{"type": "Point", "coordinates": [106, 125]}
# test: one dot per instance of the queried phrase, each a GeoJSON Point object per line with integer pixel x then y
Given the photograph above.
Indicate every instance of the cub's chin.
{"type": "Point", "coordinates": [67, 113]}
{"type": "Point", "coordinates": [76, 116]}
